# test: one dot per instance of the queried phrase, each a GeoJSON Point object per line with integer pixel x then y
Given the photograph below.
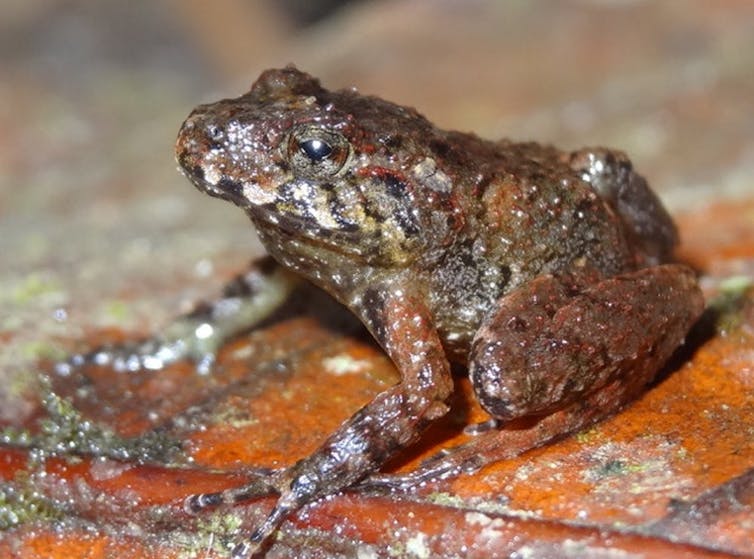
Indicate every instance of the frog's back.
{"type": "Point", "coordinates": [538, 216]}
{"type": "Point", "coordinates": [527, 213]}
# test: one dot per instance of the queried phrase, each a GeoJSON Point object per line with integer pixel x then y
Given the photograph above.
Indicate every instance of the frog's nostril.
{"type": "Point", "coordinates": [214, 132]}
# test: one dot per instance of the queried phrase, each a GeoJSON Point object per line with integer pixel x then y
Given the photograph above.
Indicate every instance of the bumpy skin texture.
{"type": "Point", "coordinates": [545, 272]}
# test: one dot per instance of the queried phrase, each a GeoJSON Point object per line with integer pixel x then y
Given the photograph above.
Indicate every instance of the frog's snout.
{"type": "Point", "coordinates": [188, 151]}
{"type": "Point", "coordinates": [201, 153]}
{"type": "Point", "coordinates": [191, 143]}
{"type": "Point", "coordinates": [192, 147]}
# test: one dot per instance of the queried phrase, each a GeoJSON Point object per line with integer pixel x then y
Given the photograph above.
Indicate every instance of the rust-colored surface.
{"type": "Point", "coordinates": [670, 476]}
{"type": "Point", "coordinates": [101, 240]}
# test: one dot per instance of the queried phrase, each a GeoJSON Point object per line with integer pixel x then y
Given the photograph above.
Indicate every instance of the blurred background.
{"type": "Point", "coordinates": [98, 229]}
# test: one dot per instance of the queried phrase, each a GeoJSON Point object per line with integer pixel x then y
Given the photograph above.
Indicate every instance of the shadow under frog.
{"type": "Point", "coordinates": [547, 274]}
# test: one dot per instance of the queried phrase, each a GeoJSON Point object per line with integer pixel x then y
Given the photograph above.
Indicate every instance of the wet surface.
{"type": "Point", "coordinates": [101, 240]}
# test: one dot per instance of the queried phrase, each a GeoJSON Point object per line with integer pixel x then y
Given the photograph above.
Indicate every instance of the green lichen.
{"type": "Point", "coordinates": [64, 432]}
{"type": "Point", "coordinates": [727, 307]}
{"type": "Point", "coordinates": [589, 435]}
{"type": "Point", "coordinates": [616, 467]}
{"type": "Point", "coordinates": [417, 546]}
{"type": "Point", "coordinates": [118, 311]}
{"type": "Point", "coordinates": [217, 532]}
{"type": "Point", "coordinates": [445, 499]}
{"type": "Point", "coordinates": [36, 350]}
{"type": "Point", "coordinates": [396, 549]}
{"type": "Point", "coordinates": [232, 416]}
{"type": "Point", "coordinates": [736, 284]}
{"type": "Point", "coordinates": [21, 503]}
{"type": "Point", "coordinates": [18, 385]}
{"type": "Point", "coordinates": [34, 287]}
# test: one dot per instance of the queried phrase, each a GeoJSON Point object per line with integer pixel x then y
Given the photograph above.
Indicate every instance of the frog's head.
{"type": "Point", "coordinates": [333, 169]}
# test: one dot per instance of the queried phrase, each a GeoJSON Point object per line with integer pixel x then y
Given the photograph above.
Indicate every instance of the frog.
{"type": "Point", "coordinates": [546, 274]}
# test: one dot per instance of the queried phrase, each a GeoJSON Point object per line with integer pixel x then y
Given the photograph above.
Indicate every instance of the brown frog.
{"type": "Point", "coordinates": [545, 272]}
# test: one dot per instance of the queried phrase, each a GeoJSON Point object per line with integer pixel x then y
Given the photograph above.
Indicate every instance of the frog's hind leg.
{"type": "Point", "coordinates": [247, 300]}
{"type": "Point", "coordinates": [556, 359]}
{"type": "Point", "coordinates": [552, 343]}
{"type": "Point", "coordinates": [491, 444]}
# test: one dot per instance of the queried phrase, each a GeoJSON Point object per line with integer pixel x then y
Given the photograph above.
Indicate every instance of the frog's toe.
{"type": "Point", "coordinates": [197, 503]}
{"type": "Point", "coordinates": [241, 550]}
{"type": "Point", "coordinates": [446, 464]}
{"type": "Point", "coordinates": [262, 484]}
{"type": "Point", "coordinates": [481, 427]}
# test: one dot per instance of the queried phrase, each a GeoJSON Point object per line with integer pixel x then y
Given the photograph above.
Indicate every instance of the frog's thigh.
{"type": "Point", "coordinates": [546, 347]}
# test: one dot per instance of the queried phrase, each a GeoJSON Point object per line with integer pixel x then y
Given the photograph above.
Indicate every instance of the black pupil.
{"type": "Point", "coordinates": [316, 150]}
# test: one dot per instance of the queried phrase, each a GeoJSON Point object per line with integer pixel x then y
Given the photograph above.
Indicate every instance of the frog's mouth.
{"type": "Point", "coordinates": [230, 191]}
{"type": "Point", "coordinates": [271, 223]}
{"type": "Point", "coordinates": [267, 215]}
{"type": "Point", "coordinates": [224, 188]}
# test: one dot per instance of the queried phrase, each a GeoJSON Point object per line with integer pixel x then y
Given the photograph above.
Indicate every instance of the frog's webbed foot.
{"type": "Point", "coordinates": [611, 175]}
{"type": "Point", "coordinates": [197, 336]}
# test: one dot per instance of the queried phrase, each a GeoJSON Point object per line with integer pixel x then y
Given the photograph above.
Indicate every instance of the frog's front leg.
{"type": "Point", "coordinates": [567, 357]}
{"type": "Point", "coordinates": [247, 300]}
{"type": "Point", "coordinates": [393, 420]}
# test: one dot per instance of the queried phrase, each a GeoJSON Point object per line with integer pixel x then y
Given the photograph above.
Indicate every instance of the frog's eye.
{"type": "Point", "coordinates": [315, 149]}
{"type": "Point", "coordinates": [317, 153]}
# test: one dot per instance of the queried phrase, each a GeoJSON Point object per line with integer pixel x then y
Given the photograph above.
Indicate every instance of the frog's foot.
{"type": "Point", "coordinates": [247, 300]}
{"type": "Point", "coordinates": [481, 427]}
{"type": "Point", "coordinates": [262, 486]}
{"type": "Point", "coordinates": [264, 482]}
{"type": "Point", "coordinates": [151, 354]}
{"type": "Point", "coordinates": [612, 176]}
